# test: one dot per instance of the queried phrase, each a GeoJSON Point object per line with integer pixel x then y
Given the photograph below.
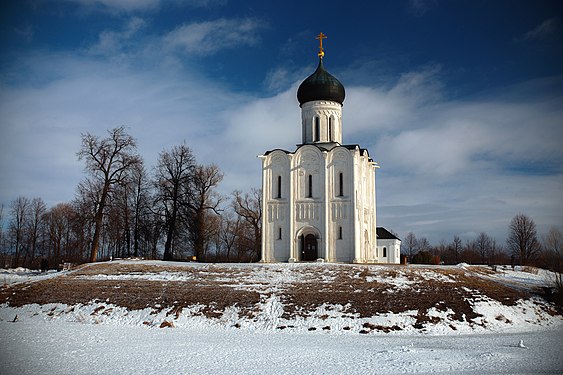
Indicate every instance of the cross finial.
{"type": "Point", "coordinates": [320, 38]}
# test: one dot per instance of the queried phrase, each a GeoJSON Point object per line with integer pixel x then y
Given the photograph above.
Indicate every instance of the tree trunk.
{"type": "Point", "coordinates": [98, 224]}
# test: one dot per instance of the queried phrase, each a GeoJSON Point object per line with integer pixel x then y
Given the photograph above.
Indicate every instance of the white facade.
{"type": "Point", "coordinates": [319, 201]}
{"type": "Point", "coordinates": [388, 247]}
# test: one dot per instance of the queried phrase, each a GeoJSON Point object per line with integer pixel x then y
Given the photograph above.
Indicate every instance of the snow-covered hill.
{"type": "Point", "coordinates": [292, 297]}
{"type": "Point", "coordinates": [146, 317]}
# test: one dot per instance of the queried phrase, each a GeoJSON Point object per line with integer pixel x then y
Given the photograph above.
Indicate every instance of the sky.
{"type": "Point", "coordinates": [460, 102]}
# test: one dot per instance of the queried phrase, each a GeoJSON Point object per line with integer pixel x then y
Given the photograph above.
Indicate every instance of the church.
{"type": "Point", "coordinates": [319, 201]}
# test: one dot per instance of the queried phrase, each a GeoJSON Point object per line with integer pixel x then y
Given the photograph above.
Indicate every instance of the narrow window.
{"type": "Point", "coordinates": [384, 252]}
{"type": "Point", "coordinates": [317, 129]}
{"type": "Point", "coordinates": [339, 233]}
{"type": "Point", "coordinates": [279, 233]}
{"type": "Point", "coordinates": [278, 195]}
{"type": "Point", "coordinates": [330, 128]}
{"type": "Point", "coordinates": [310, 187]}
{"type": "Point", "coordinates": [340, 184]}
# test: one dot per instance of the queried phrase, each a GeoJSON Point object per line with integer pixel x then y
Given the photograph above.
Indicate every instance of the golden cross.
{"type": "Point", "coordinates": [320, 38]}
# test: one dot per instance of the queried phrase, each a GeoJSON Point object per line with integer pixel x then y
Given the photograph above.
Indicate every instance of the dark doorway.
{"type": "Point", "coordinates": [310, 248]}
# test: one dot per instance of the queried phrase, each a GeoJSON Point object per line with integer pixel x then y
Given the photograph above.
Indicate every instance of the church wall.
{"type": "Point", "coordinates": [276, 207]}
{"type": "Point", "coordinates": [305, 194]}
{"type": "Point", "coordinates": [365, 210]}
{"type": "Point", "coordinates": [308, 182]}
{"type": "Point", "coordinates": [388, 251]}
{"type": "Point", "coordinates": [340, 207]}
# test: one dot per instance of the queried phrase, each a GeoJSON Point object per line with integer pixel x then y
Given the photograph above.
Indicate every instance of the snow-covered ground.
{"type": "Point", "coordinates": [102, 338]}
{"type": "Point", "coordinates": [59, 347]}
{"type": "Point", "coordinates": [20, 275]}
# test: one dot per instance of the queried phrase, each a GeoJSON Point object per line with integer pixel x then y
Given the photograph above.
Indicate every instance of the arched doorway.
{"type": "Point", "coordinates": [309, 248]}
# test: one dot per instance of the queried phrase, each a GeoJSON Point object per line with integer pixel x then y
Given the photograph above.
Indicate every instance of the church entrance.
{"type": "Point", "coordinates": [309, 252]}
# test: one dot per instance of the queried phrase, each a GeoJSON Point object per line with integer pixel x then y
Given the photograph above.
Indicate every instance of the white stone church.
{"type": "Point", "coordinates": [319, 201]}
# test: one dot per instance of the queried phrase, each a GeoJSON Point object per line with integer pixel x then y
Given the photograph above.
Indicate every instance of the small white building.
{"type": "Point", "coordinates": [319, 201]}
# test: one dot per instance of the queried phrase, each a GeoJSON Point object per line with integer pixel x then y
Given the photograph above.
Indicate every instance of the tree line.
{"type": "Point", "coordinates": [523, 247]}
{"type": "Point", "coordinates": [172, 211]}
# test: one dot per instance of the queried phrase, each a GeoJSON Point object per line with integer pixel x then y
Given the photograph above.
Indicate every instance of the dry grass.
{"type": "Point", "coordinates": [215, 288]}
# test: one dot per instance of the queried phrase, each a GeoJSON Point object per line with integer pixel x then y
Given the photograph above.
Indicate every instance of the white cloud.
{"type": "Point", "coordinates": [205, 38]}
{"type": "Point", "coordinates": [160, 109]}
{"type": "Point", "coordinates": [447, 166]}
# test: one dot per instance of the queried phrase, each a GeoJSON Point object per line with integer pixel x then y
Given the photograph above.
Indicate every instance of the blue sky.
{"type": "Point", "coordinates": [461, 102]}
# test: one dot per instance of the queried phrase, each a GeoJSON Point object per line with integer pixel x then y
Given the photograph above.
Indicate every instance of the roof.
{"type": "Point", "coordinates": [321, 147]}
{"type": "Point", "coordinates": [384, 234]}
{"type": "Point", "coordinates": [321, 85]}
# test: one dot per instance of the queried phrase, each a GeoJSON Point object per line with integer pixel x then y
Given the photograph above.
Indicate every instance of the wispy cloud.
{"type": "Point", "coordinates": [206, 38]}
{"type": "Point", "coordinates": [420, 7]}
{"type": "Point", "coordinates": [112, 42]}
{"type": "Point", "coordinates": [27, 32]}
{"type": "Point", "coordinates": [118, 5]}
{"type": "Point", "coordinates": [541, 31]}
{"type": "Point", "coordinates": [131, 6]}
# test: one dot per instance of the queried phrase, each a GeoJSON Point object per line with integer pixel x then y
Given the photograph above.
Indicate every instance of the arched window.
{"type": "Point", "coordinates": [339, 233]}
{"type": "Point", "coordinates": [340, 184]}
{"type": "Point", "coordinates": [317, 130]}
{"type": "Point", "coordinates": [330, 128]}
{"type": "Point", "coordinates": [310, 186]}
{"type": "Point", "coordinates": [278, 190]}
{"type": "Point", "coordinates": [279, 233]}
{"type": "Point", "coordinates": [384, 252]}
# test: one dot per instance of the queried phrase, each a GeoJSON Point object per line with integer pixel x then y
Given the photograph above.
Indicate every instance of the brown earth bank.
{"type": "Point", "coordinates": [362, 291]}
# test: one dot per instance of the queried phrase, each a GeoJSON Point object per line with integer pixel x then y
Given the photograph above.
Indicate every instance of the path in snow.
{"type": "Point", "coordinates": [48, 347]}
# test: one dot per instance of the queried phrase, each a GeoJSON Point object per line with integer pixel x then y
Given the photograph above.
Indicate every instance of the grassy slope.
{"type": "Point", "coordinates": [363, 291]}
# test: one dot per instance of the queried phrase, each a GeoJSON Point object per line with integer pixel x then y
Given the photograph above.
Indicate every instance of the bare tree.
{"type": "Point", "coordinates": [410, 244]}
{"type": "Point", "coordinates": [59, 225]}
{"type": "Point", "coordinates": [228, 235]}
{"type": "Point", "coordinates": [423, 244]}
{"type": "Point", "coordinates": [141, 204]}
{"type": "Point", "coordinates": [3, 254]}
{"type": "Point", "coordinates": [522, 239]}
{"type": "Point", "coordinates": [456, 247]}
{"type": "Point", "coordinates": [553, 247]}
{"type": "Point", "coordinates": [173, 174]}
{"type": "Point", "coordinates": [108, 160]}
{"type": "Point", "coordinates": [249, 208]}
{"type": "Point", "coordinates": [203, 200]}
{"type": "Point", "coordinates": [20, 215]}
{"type": "Point", "coordinates": [37, 210]}
{"type": "Point", "coordinates": [483, 246]}
{"type": "Point", "coordinates": [553, 241]}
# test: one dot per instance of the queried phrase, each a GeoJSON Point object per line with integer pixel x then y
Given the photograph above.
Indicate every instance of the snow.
{"type": "Point", "coordinates": [537, 277]}
{"type": "Point", "coordinates": [37, 346]}
{"type": "Point", "coordinates": [101, 338]}
{"type": "Point", "coordinates": [20, 275]}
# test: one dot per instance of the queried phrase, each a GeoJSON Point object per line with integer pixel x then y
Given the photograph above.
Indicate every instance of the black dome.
{"type": "Point", "coordinates": [320, 85]}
